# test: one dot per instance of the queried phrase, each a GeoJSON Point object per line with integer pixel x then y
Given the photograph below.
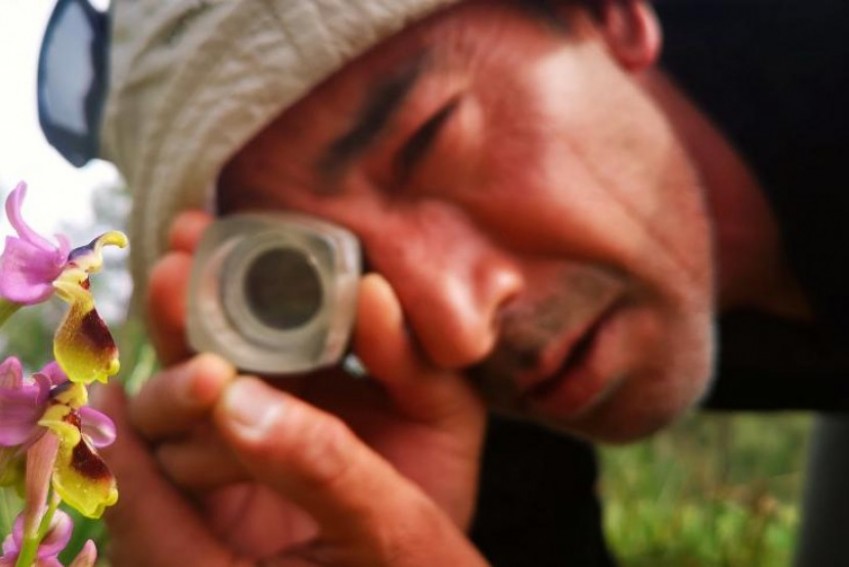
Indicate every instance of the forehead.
{"type": "Point", "coordinates": [467, 46]}
{"type": "Point", "coordinates": [464, 36]}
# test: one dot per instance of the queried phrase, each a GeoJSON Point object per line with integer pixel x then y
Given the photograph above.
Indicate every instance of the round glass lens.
{"type": "Point", "coordinates": [283, 289]}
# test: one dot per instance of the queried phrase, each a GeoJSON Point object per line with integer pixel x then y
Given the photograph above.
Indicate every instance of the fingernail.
{"type": "Point", "coordinates": [200, 379]}
{"type": "Point", "coordinates": [248, 403]}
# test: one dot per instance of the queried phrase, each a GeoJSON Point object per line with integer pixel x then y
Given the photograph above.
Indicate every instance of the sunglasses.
{"type": "Point", "coordinates": [72, 79]}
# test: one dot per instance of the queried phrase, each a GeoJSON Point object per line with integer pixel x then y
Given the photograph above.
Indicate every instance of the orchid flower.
{"type": "Point", "coordinates": [48, 403]}
{"type": "Point", "coordinates": [54, 542]}
{"type": "Point", "coordinates": [80, 477]}
{"type": "Point", "coordinates": [48, 435]}
{"type": "Point", "coordinates": [57, 537]}
{"type": "Point", "coordinates": [32, 269]}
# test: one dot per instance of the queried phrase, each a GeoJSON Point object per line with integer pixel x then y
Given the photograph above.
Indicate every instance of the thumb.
{"type": "Point", "coordinates": [421, 391]}
{"type": "Point", "coordinates": [311, 458]}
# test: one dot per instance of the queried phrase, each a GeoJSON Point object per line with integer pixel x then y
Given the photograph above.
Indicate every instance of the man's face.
{"type": "Point", "coordinates": [529, 204]}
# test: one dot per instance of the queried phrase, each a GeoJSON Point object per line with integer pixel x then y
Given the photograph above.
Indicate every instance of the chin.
{"type": "Point", "coordinates": [645, 403]}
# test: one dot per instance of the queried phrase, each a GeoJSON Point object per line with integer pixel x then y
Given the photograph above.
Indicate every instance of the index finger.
{"type": "Point", "coordinates": [168, 287]}
{"type": "Point", "coordinates": [187, 229]}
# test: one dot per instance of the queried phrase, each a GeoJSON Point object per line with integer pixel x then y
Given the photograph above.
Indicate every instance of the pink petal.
{"type": "Point", "coordinates": [27, 272]}
{"type": "Point", "coordinates": [58, 536]}
{"type": "Point", "coordinates": [29, 263]}
{"type": "Point", "coordinates": [20, 410]}
{"type": "Point", "coordinates": [11, 373]}
{"type": "Point", "coordinates": [54, 373]}
{"type": "Point", "coordinates": [14, 203]}
{"type": "Point", "coordinates": [41, 458]}
{"type": "Point", "coordinates": [97, 427]}
{"type": "Point", "coordinates": [11, 548]}
{"type": "Point", "coordinates": [12, 543]}
{"type": "Point", "coordinates": [86, 557]}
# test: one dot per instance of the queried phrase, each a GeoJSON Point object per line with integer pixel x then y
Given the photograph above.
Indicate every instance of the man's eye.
{"type": "Point", "coordinates": [420, 143]}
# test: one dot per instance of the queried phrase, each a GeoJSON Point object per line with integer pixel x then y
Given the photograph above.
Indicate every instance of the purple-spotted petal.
{"type": "Point", "coordinates": [97, 427]}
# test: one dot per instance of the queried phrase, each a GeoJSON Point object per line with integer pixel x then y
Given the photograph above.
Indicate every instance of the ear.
{"type": "Point", "coordinates": [632, 32]}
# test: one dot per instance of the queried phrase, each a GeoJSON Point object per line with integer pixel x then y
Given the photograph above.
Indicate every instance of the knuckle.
{"type": "Point", "coordinates": [321, 446]}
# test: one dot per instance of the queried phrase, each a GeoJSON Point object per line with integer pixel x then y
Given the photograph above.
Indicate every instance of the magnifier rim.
{"type": "Point", "coordinates": [209, 329]}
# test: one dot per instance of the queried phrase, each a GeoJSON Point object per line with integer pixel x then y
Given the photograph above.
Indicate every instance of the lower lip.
{"type": "Point", "coordinates": [582, 383]}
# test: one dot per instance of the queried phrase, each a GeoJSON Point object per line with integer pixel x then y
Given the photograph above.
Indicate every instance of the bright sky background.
{"type": "Point", "coordinates": [58, 192]}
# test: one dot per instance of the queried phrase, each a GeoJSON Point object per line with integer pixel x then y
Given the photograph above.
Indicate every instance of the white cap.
{"type": "Point", "coordinates": [193, 80]}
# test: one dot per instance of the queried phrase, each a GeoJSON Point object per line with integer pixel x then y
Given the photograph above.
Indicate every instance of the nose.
{"type": "Point", "coordinates": [453, 282]}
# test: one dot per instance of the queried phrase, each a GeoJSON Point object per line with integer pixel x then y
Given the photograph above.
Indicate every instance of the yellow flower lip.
{"type": "Point", "coordinates": [83, 345]}
{"type": "Point", "coordinates": [80, 476]}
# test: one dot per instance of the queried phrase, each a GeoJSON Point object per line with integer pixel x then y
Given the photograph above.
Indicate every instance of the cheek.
{"type": "Point", "coordinates": [669, 365]}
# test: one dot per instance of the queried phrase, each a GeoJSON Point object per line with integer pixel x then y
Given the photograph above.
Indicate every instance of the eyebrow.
{"type": "Point", "coordinates": [422, 140]}
{"type": "Point", "coordinates": [382, 102]}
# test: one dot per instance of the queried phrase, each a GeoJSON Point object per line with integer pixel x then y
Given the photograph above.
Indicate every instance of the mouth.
{"type": "Point", "coordinates": [574, 386]}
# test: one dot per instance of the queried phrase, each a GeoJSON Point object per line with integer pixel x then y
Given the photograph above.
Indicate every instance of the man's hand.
{"type": "Point", "coordinates": [333, 471]}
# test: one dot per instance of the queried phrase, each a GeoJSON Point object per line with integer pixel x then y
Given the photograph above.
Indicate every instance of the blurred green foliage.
{"type": "Point", "coordinates": [714, 491]}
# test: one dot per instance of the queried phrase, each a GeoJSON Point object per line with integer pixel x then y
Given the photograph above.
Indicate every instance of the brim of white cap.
{"type": "Point", "coordinates": [191, 88]}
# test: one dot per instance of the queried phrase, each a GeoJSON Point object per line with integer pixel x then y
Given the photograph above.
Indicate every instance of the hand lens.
{"type": "Point", "coordinates": [274, 293]}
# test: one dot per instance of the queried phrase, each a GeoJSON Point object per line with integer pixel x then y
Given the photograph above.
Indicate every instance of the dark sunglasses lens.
{"type": "Point", "coordinates": [72, 78]}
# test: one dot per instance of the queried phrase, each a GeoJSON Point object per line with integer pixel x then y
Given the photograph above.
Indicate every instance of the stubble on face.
{"type": "Point", "coordinates": [577, 296]}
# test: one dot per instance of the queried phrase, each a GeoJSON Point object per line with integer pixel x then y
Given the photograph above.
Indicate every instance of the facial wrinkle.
{"type": "Point", "coordinates": [678, 257]}
{"type": "Point", "coordinates": [373, 118]}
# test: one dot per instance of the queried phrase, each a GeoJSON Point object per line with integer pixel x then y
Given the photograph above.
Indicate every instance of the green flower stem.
{"type": "Point", "coordinates": [29, 549]}
{"type": "Point", "coordinates": [7, 309]}
{"type": "Point", "coordinates": [47, 519]}
{"type": "Point", "coordinates": [29, 552]}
